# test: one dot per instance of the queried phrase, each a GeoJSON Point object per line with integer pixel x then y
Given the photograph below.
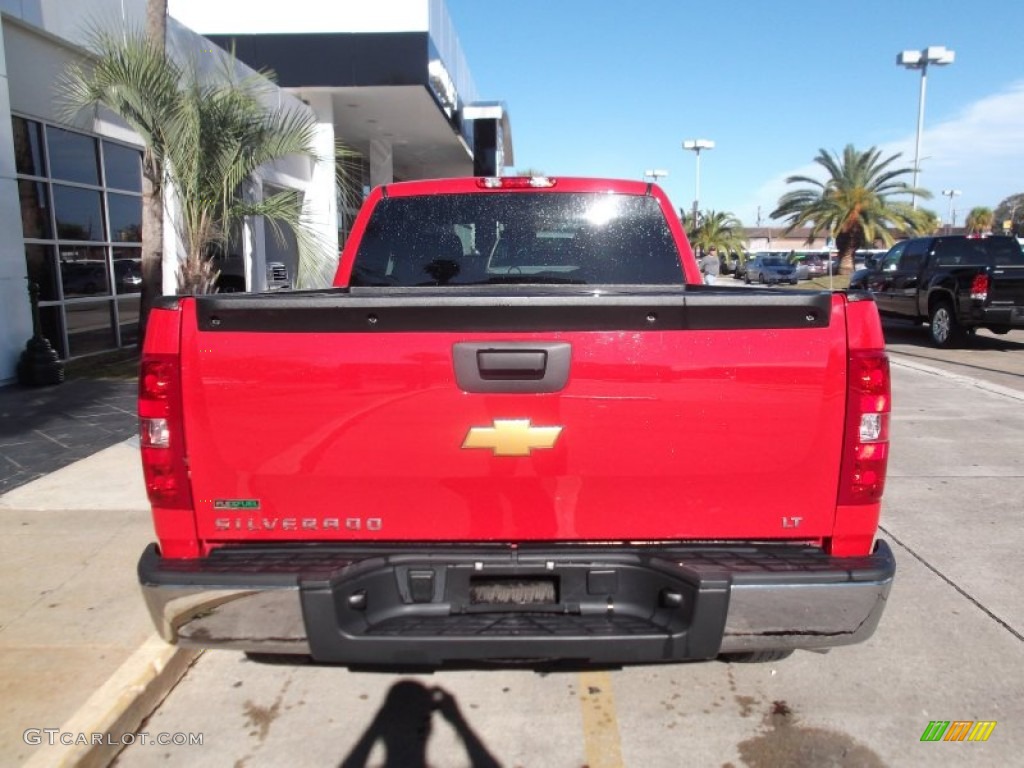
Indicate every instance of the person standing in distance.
{"type": "Point", "coordinates": [710, 266]}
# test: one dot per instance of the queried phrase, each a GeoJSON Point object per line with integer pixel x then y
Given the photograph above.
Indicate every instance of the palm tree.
{"type": "Point", "coordinates": [1009, 212]}
{"type": "Point", "coordinates": [855, 205]}
{"type": "Point", "coordinates": [686, 217]}
{"type": "Point", "coordinates": [931, 222]}
{"type": "Point", "coordinates": [348, 181]}
{"type": "Point", "coordinates": [152, 261]}
{"type": "Point", "coordinates": [980, 220]}
{"type": "Point", "coordinates": [720, 229]}
{"type": "Point", "coordinates": [133, 78]}
{"type": "Point", "coordinates": [205, 136]}
{"type": "Point", "coordinates": [222, 135]}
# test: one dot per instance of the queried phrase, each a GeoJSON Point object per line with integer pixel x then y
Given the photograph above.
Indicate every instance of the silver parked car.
{"type": "Point", "coordinates": [768, 269]}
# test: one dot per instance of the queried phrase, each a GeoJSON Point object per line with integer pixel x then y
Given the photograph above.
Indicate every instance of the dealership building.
{"type": "Point", "coordinates": [388, 80]}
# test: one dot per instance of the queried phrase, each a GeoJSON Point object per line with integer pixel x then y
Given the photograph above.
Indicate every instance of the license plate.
{"type": "Point", "coordinates": [513, 591]}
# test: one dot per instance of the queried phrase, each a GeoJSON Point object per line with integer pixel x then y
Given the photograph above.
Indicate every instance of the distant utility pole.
{"type": "Point", "coordinates": [940, 56]}
{"type": "Point", "coordinates": [695, 146]}
{"type": "Point", "coordinates": [951, 221]}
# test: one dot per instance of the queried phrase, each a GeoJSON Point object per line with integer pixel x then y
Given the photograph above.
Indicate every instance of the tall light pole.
{"type": "Point", "coordinates": [933, 54]}
{"type": "Point", "coordinates": [655, 174]}
{"type": "Point", "coordinates": [695, 146]}
{"type": "Point", "coordinates": [950, 193]}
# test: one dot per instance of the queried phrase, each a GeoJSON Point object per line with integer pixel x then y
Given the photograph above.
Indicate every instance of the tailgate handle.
{"type": "Point", "coordinates": [506, 364]}
{"type": "Point", "coordinates": [512, 367]}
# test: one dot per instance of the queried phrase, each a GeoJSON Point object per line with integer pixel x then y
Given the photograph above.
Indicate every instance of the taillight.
{"type": "Point", "coordinates": [515, 182]}
{"type": "Point", "coordinates": [979, 287]}
{"type": "Point", "coordinates": [161, 432]}
{"type": "Point", "coordinates": [866, 452]}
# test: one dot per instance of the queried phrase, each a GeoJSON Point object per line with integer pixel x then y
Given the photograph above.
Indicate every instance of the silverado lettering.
{"type": "Point", "coordinates": [293, 524]}
{"type": "Point", "coordinates": [581, 451]}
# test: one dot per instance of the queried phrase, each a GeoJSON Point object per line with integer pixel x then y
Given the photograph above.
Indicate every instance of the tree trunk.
{"type": "Point", "coordinates": [152, 247]}
{"type": "Point", "coordinates": [847, 244]}
{"type": "Point", "coordinates": [846, 262]}
{"type": "Point", "coordinates": [152, 194]}
{"type": "Point", "coordinates": [156, 21]}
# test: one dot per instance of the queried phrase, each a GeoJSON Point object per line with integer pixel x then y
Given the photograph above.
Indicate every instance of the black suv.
{"type": "Point", "coordinates": [955, 283]}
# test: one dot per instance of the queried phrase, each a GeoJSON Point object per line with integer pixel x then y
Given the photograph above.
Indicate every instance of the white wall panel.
{"type": "Point", "coordinates": [253, 17]}
{"type": "Point", "coordinates": [35, 65]}
{"type": "Point", "coordinates": [15, 317]}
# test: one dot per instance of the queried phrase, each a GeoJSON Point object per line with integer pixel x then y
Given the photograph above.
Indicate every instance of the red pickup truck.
{"type": "Point", "coordinates": [517, 427]}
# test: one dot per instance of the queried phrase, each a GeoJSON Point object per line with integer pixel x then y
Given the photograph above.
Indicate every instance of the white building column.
{"type": "Point", "coordinates": [15, 310]}
{"type": "Point", "coordinates": [254, 240]}
{"type": "Point", "coordinates": [173, 247]}
{"type": "Point", "coordinates": [321, 194]}
{"type": "Point", "coordinates": [382, 163]}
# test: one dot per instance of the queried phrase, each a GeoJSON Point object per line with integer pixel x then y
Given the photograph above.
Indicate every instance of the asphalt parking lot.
{"type": "Point", "coordinates": [950, 646]}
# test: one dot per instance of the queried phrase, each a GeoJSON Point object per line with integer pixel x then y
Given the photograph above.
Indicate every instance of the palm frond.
{"type": "Point", "coordinates": [857, 202]}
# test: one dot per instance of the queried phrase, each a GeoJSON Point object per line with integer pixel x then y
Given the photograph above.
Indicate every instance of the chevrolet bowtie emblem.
{"type": "Point", "coordinates": [512, 437]}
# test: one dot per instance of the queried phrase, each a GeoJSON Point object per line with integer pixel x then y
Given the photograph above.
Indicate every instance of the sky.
{"type": "Point", "coordinates": [610, 88]}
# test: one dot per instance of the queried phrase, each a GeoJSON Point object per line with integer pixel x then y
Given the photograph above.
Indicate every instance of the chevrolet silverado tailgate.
{"type": "Point", "coordinates": [660, 414]}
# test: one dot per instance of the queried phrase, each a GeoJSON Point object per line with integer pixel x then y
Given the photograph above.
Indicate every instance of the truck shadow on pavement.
{"type": "Point", "coordinates": [403, 726]}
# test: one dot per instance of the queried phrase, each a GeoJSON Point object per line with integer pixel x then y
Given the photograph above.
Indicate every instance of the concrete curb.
{"type": "Point", "coordinates": [118, 707]}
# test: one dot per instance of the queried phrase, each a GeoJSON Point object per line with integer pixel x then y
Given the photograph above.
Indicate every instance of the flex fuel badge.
{"type": "Point", "coordinates": [236, 503]}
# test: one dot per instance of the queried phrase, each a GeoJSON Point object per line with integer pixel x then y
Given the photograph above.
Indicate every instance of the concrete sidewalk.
{"type": "Point", "coordinates": [43, 429]}
{"type": "Point", "coordinates": [77, 649]}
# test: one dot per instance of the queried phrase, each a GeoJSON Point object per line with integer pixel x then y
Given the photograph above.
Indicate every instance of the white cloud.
{"type": "Point", "coordinates": [980, 152]}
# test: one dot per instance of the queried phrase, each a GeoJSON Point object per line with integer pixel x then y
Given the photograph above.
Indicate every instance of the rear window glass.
{"type": "Point", "coordinates": [481, 239]}
{"type": "Point", "coordinates": [1004, 251]}
{"type": "Point", "coordinates": [989, 251]}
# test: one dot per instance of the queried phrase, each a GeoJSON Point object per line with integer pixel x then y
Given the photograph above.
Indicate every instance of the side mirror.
{"type": "Point", "coordinates": [870, 263]}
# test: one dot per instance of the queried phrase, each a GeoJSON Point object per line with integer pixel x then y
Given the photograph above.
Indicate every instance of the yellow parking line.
{"type": "Point", "coordinates": [600, 723]}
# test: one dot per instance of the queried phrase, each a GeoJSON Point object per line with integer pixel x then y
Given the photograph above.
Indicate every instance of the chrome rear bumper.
{"type": "Point", "coordinates": [622, 605]}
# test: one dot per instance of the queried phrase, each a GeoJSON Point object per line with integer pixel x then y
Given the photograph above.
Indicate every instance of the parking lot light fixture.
{"type": "Point", "coordinates": [950, 193]}
{"type": "Point", "coordinates": [695, 146]}
{"type": "Point", "coordinates": [934, 54]}
{"type": "Point", "coordinates": [655, 174]}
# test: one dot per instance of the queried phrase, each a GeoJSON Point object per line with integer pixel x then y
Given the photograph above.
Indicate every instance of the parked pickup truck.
{"type": "Point", "coordinates": [507, 433]}
{"type": "Point", "coordinates": [954, 283]}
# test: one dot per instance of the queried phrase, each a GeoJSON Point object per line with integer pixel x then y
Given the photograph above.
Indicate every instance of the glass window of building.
{"type": "Point", "coordinates": [42, 270]}
{"type": "Point", "coordinates": [128, 270]}
{"type": "Point", "coordinates": [125, 218]}
{"type": "Point", "coordinates": [28, 147]}
{"type": "Point", "coordinates": [35, 209]}
{"type": "Point", "coordinates": [83, 234]}
{"type": "Point", "coordinates": [72, 156]}
{"type": "Point", "coordinates": [122, 167]}
{"type": "Point", "coordinates": [79, 213]}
